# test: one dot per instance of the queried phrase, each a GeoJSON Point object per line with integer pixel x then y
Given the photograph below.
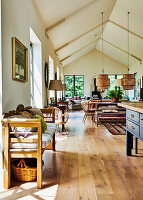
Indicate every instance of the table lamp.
{"type": "Point", "coordinates": [64, 88]}
{"type": "Point", "coordinates": [55, 85]}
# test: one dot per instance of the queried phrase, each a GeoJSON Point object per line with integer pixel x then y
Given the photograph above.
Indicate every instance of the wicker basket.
{"type": "Point", "coordinates": [22, 172]}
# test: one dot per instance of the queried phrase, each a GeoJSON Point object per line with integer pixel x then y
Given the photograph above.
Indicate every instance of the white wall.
{"type": "Point", "coordinates": [90, 66]}
{"type": "Point", "coordinates": [1, 158]}
{"type": "Point", "coordinates": [17, 18]}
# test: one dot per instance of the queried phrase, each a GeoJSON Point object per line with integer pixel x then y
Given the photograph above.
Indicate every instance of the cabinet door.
{"type": "Point", "coordinates": [141, 126]}
{"type": "Point", "coordinates": [132, 115]}
{"type": "Point", "coordinates": [132, 128]}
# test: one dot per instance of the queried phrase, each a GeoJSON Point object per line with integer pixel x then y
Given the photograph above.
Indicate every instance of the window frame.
{"type": "Point", "coordinates": [74, 92]}
{"type": "Point", "coordinates": [116, 77]}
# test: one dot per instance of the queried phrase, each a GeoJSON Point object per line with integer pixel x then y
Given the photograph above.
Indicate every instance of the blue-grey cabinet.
{"type": "Point", "coordinates": [141, 126]}
{"type": "Point", "coordinates": [134, 127]}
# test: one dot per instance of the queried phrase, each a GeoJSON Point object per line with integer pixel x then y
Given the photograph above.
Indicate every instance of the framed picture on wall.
{"type": "Point", "coordinates": [19, 61]}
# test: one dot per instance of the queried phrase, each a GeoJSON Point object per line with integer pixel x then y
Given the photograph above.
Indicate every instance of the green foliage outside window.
{"type": "Point", "coordinates": [75, 85]}
{"type": "Point", "coordinates": [112, 83]}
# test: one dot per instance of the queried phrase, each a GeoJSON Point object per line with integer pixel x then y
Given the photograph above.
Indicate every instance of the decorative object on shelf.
{"type": "Point", "coordinates": [64, 88]}
{"type": "Point", "coordinates": [102, 81]}
{"type": "Point", "coordinates": [115, 95]}
{"type": "Point", "coordinates": [55, 85]}
{"type": "Point", "coordinates": [128, 80]}
{"type": "Point", "coordinates": [19, 61]}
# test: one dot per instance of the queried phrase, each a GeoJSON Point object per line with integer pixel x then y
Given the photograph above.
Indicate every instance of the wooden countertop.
{"type": "Point", "coordinates": [138, 106]}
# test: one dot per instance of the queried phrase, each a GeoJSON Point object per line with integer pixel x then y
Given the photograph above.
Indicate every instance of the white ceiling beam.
{"type": "Point", "coordinates": [94, 28]}
{"type": "Point", "coordinates": [122, 27]}
{"type": "Point", "coordinates": [79, 50]}
{"type": "Point", "coordinates": [69, 16]}
{"type": "Point", "coordinates": [113, 45]}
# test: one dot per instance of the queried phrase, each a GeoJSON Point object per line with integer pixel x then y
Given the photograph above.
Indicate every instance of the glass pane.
{"type": "Point", "coordinates": [121, 87]}
{"type": "Point", "coordinates": [79, 86]}
{"type": "Point", "coordinates": [112, 82]}
{"type": "Point", "coordinates": [69, 81]}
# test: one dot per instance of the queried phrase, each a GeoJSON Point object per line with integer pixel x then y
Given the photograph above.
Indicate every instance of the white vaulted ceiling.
{"type": "Point", "coordinates": [116, 34]}
{"type": "Point", "coordinates": [74, 27]}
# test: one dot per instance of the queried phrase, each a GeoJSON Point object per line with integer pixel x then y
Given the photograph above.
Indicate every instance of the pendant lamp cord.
{"type": "Point", "coordinates": [102, 45]}
{"type": "Point", "coordinates": [128, 43]}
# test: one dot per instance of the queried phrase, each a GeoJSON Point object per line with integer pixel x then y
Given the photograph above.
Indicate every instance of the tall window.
{"type": "Point", "coordinates": [112, 82]}
{"type": "Point", "coordinates": [75, 85]}
{"type": "Point", "coordinates": [51, 74]}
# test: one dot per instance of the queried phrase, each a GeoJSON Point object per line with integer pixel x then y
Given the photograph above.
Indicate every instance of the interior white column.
{"type": "Point", "coordinates": [1, 157]}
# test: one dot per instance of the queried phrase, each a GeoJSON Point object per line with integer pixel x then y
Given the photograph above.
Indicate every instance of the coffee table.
{"type": "Point", "coordinates": [99, 116]}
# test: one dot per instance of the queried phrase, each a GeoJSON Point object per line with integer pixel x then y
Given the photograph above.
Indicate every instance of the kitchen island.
{"type": "Point", "coordinates": [134, 125]}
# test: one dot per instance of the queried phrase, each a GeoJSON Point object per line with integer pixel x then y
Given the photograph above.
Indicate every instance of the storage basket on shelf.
{"type": "Point", "coordinates": [25, 170]}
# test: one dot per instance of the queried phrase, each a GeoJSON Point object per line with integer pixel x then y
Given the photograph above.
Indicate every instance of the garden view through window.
{"type": "Point", "coordinates": [75, 85]}
{"type": "Point", "coordinates": [112, 82]}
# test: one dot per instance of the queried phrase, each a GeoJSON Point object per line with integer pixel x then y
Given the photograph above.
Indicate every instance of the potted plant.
{"type": "Point", "coordinates": [115, 95]}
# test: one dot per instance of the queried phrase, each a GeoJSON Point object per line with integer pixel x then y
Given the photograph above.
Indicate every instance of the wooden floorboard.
{"type": "Point", "coordinates": [89, 163]}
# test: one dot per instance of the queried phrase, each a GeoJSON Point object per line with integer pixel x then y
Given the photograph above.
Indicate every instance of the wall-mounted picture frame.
{"type": "Point", "coordinates": [19, 61]}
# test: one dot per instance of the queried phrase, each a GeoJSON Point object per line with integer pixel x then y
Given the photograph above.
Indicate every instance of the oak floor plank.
{"type": "Point", "coordinates": [89, 163]}
{"type": "Point", "coordinates": [106, 197]}
{"type": "Point", "coordinates": [87, 188]}
{"type": "Point", "coordinates": [69, 174]}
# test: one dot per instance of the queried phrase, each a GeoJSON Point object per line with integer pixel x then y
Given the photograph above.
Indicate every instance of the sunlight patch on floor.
{"type": "Point", "coordinates": [48, 193]}
{"type": "Point", "coordinates": [7, 193]}
{"type": "Point", "coordinates": [29, 185]}
{"type": "Point", "coordinates": [28, 197]}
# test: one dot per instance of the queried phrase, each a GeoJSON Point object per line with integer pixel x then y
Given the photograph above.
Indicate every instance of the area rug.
{"type": "Point", "coordinates": [115, 128]}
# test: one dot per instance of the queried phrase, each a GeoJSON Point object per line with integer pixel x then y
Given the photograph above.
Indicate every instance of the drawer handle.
{"type": "Point", "coordinates": [132, 127]}
{"type": "Point", "coordinates": [132, 116]}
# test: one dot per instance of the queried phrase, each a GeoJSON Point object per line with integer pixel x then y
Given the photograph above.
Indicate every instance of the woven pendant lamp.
{"type": "Point", "coordinates": [128, 80]}
{"type": "Point", "coordinates": [102, 81]}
